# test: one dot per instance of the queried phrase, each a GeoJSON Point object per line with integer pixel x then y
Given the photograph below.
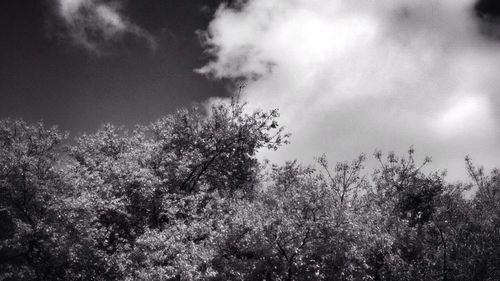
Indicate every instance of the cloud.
{"type": "Point", "coordinates": [96, 25]}
{"type": "Point", "coordinates": [352, 76]}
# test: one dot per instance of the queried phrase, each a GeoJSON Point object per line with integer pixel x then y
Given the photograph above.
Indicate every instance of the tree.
{"type": "Point", "coordinates": [482, 236]}
{"type": "Point", "coordinates": [295, 228]}
{"type": "Point", "coordinates": [186, 198]}
{"type": "Point", "coordinates": [31, 194]}
{"type": "Point", "coordinates": [151, 190]}
{"type": "Point", "coordinates": [213, 152]}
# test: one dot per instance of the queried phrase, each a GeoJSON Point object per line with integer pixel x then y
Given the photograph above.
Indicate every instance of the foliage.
{"type": "Point", "coordinates": [186, 198]}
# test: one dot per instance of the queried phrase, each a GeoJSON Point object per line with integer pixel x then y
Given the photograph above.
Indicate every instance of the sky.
{"type": "Point", "coordinates": [81, 63]}
{"type": "Point", "coordinates": [348, 76]}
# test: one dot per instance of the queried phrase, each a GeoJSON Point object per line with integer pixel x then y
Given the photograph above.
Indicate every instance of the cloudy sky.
{"type": "Point", "coordinates": [348, 76]}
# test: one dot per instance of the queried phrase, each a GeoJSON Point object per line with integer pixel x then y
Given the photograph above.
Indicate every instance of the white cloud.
{"type": "Point", "coordinates": [468, 114]}
{"type": "Point", "coordinates": [350, 76]}
{"type": "Point", "coordinates": [95, 24]}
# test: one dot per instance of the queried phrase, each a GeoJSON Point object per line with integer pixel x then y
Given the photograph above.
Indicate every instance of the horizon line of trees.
{"type": "Point", "coordinates": [186, 198]}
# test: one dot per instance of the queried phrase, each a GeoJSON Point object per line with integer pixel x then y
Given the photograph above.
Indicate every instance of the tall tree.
{"type": "Point", "coordinates": [31, 194]}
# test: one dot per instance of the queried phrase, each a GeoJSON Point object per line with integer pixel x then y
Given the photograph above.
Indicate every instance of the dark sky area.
{"type": "Point", "coordinates": [488, 7]}
{"type": "Point", "coordinates": [43, 75]}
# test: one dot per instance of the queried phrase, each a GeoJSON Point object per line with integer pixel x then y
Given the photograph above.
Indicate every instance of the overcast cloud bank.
{"type": "Point", "coordinates": [355, 76]}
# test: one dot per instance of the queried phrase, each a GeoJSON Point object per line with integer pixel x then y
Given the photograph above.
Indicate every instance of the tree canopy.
{"type": "Point", "coordinates": [187, 198]}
